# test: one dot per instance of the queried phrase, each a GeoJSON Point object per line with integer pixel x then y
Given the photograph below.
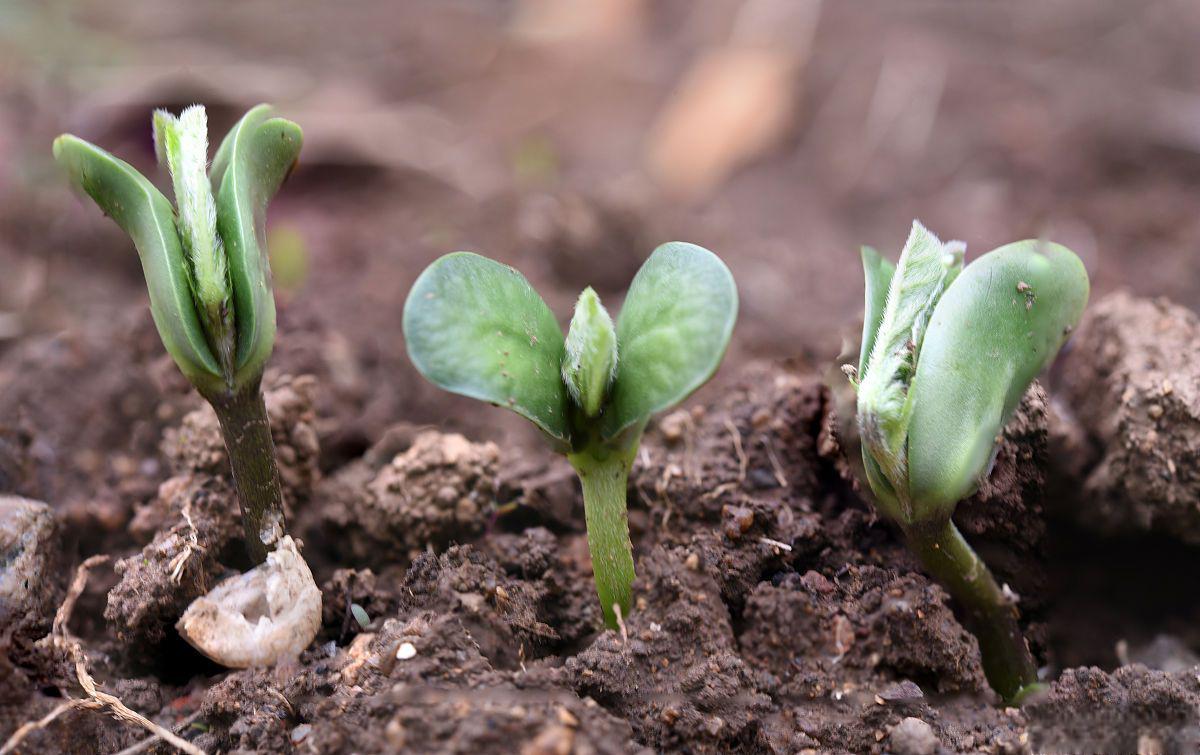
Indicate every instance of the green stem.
{"type": "Point", "coordinates": [991, 615]}
{"type": "Point", "coordinates": [604, 475]}
{"type": "Point", "coordinates": [247, 434]}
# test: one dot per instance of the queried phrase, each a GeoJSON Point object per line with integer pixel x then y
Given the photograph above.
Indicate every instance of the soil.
{"type": "Point", "coordinates": [774, 611]}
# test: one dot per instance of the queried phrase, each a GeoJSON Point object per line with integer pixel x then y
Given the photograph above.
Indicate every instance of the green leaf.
{"type": "Point", "coordinates": [672, 332]}
{"type": "Point", "coordinates": [251, 163]}
{"type": "Point", "coordinates": [878, 274]}
{"type": "Point", "coordinates": [997, 326]}
{"type": "Point", "coordinates": [591, 359]}
{"type": "Point", "coordinates": [477, 328]}
{"type": "Point", "coordinates": [146, 215]}
{"type": "Point", "coordinates": [926, 268]}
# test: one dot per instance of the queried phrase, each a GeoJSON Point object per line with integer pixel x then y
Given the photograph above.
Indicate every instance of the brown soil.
{"type": "Point", "coordinates": [774, 612]}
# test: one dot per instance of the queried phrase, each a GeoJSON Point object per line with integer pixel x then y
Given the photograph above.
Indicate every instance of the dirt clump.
{"type": "Point", "coordinates": [1129, 382]}
{"type": "Point", "coordinates": [181, 562]}
{"type": "Point", "coordinates": [31, 567]}
{"type": "Point", "coordinates": [441, 488]}
{"type": "Point", "coordinates": [1133, 709]}
{"type": "Point", "coordinates": [870, 626]}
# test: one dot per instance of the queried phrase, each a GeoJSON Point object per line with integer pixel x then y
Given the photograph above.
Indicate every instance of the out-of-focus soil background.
{"type": "Point", "coordinates": [569, 139]}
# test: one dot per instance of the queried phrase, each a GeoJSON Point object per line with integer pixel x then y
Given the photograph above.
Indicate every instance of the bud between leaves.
{"type": "Point", "coordinates": [590, 364]}
{"type": "Point", "coordinates": [182, 143]}
{"type": "Point", "coordinates": [926, 269]}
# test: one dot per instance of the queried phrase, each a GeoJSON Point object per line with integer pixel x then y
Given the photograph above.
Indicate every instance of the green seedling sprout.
{"type": "Point", "coordinates": [947, 353]}
{"type": "Point", "coordinates": [205, 262]}
{"type": "Point", "coordinates": [477, 328]}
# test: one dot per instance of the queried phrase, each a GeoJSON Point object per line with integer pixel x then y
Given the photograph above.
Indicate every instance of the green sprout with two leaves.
{"type": "Point", "coordinates": [205, 263]}
{"type": "Point", "coordinates": [947, 353]}
{"type": "Point", "coordinates": [478, 328]}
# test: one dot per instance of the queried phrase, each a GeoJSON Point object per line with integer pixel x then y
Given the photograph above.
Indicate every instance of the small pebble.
{"type": "Point", "coordinates": [912, 736]}
{"type": "Point", "coordinates": [674, 425]}
{"type": "Point", "coordinates": [567, 718]}
{"type": "Point", "coordinates": [406, 651]}
{"type": "Point", "coordinates": [395, 734]}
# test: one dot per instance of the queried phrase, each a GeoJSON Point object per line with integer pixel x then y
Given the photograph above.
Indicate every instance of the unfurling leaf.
{"type": "Point", "coordinates": [878, 273]}
{"type": "Point", "coordinates": [182, 143]}
{"type": "Point", "coordinates": [927, 267]}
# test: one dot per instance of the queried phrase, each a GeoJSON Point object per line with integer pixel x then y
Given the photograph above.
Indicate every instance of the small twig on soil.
{"type": "Point", "coordinates": [720, 490]}
{"type": "Point", "coordinates": [61, 638]}
{"type": "Point", "coordinates": [63, 614]}
{"type": "Point", "coordinates": [780, 477]}
{"type": "Point", "coordinates": [283, 698]}
{"type": "Point", "coordinates": [775, 544]}
{"type": "Point", "coordinates": [660, 489]}
{"type": "Point", "coordinates": [29, 727]}
{"type": "Point", "coordinates": [743, 463]}
{"type": "Point", "coordinates": [621, 624]}
{"type": "Point", "coordinates": [146, 743]}
{"type": "Point", "coordinates": [179, 563]}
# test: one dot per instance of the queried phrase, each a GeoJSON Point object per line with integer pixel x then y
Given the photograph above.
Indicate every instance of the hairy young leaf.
{"type": "Point", "coordinates": [182, 143]}
{"type": "Point", "coordinates": [250, 165]}
{"type": "Point", "coordinates": [878, 274]}
{"type": "Point", "coordinates": [147, 216]}
{"type": "Point", "coordinates": [672, 332]}
{"type": "Point", "coordinates": [591, 360]}
{"type": "Point", "coordinates": [476, 327]}
{"type": "Point", "coordinates": [997, 326]}
{"type": "Point", "coordinates": [926, 268]}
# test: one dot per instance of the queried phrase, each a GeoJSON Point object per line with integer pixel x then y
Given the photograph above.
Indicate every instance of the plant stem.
{"type": "Point", "coordinates": [604, 474]}
{"type": "Point", "coordinates": [991, 615]}
{"type": "Point", "coordinates": [247, 434]}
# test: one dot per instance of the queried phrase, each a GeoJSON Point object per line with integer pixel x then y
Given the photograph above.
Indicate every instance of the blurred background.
{"type": "Point", "coordinates": [569, 139]}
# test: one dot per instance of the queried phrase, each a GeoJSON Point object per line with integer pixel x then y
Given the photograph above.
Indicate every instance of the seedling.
{"type": "Point", "coordinates": [205, 262]}
{"type": "Point", "coordinates": [477, 328]}
{"type": "Point", "coordinates": [947, 352]}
